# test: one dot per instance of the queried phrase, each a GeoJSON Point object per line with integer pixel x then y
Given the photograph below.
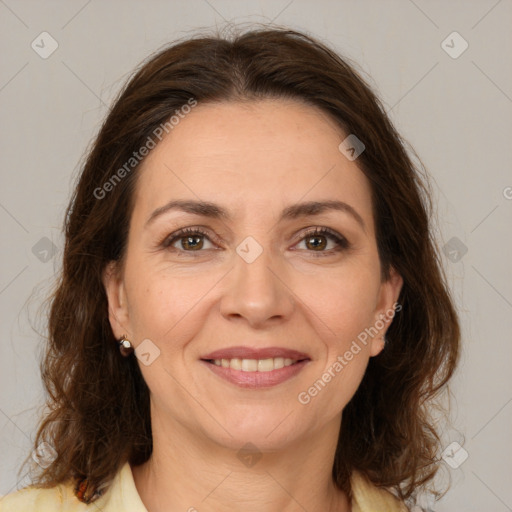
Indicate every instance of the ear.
{"type": "Point", "coordinates": [117, 304]}
{"type": "Point", "coordinates": [385, 310]}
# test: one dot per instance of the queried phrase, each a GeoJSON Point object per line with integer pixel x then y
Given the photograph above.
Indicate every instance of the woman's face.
{"type": "Point", "coordinates": [256, 286]}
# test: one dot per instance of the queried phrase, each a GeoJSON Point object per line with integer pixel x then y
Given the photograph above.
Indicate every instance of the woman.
{"type": "Point", "coordinates": [251, 313]}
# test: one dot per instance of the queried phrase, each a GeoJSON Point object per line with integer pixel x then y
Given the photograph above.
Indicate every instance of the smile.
{"type": "Point", "coordinates": [256, 373]}
{"type": "Point", "coordinates": [254, 365]}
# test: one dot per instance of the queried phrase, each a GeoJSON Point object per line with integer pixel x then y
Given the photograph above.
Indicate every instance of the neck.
{"type": "Point", "coordinates": [192, 473]}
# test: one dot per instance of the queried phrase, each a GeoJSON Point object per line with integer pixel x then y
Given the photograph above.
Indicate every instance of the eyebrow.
{"type": "Point", "coordinates": [294, 211]}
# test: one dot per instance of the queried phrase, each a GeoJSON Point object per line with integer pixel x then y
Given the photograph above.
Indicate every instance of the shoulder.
{"type": "Point", "coordinates": [58, 498]}
{"type": "Point", "coordinates": [121, 496]}
{"type": "Point", "coordinates": [367, 497]}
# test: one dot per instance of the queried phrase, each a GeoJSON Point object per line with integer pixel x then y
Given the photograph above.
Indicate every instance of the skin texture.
{"type": "Point", "coordinates": [253, 159]}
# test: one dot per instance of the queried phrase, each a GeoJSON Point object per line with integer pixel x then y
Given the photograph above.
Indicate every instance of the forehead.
{"type": "Point", "coordinates": [258, 155]}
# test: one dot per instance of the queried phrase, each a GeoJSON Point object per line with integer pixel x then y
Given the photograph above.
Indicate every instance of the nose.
{"type": "Point", "coordinates": [257, 292]}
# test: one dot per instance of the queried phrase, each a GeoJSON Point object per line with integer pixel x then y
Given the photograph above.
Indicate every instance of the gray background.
{"type": "Point", "coordinates": [456, 113]}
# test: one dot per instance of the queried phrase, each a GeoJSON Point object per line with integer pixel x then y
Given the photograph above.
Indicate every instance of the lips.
{"type": "Point", "coordinates": [255, 353]}
{"type": "Point", "coordinates": [256, 380]}
{"type": "Point", "coordinates": [256, 368]}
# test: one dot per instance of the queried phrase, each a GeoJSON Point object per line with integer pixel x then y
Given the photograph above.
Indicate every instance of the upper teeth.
{"type": "Point", "coordinates": [255, 365]}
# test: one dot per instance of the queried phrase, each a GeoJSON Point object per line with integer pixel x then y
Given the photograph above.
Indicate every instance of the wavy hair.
{"type": "Point", "coordinates": [98, 411]}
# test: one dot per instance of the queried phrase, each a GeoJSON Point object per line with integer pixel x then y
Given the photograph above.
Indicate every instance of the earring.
{"type": "Point", "coordinates": [125, 346]}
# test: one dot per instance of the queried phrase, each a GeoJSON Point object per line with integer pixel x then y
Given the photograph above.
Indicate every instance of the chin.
{"type": "Point", "coordinates": [267, 432]}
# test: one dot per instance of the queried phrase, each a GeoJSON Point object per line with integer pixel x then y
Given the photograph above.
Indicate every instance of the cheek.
{"type": "Point", "coordinates": [344, 300]}
{"type": "Point", "coordinates": [162, 302]}
{"type": "Point", "coordinates": [347, 352]}
{"type": "Point", "coordinates": [351, 313]}
{"type": "Point", "coordinates": [343, 306]}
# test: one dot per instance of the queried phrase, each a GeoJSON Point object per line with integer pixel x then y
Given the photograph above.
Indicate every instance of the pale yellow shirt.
{"type": "Point", "coordinates": [122, 496]}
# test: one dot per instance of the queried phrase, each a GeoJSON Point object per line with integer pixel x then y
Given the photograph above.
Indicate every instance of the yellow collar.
{"type": "Point", "coordinates": [123, 495]}
{"type": "Point", "coordinates": [367, 497]}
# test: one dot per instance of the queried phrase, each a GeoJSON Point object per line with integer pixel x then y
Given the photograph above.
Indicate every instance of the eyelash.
{"type": "Point", "coordinates": [341, 242]}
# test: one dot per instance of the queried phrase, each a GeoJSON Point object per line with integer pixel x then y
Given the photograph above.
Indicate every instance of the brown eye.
{"type": "Point", "coordinates": [194, 242]}
{"type": "Point", "coordinates": [318, 241]}
{"type": "Point", "coordinates": [187, 240]}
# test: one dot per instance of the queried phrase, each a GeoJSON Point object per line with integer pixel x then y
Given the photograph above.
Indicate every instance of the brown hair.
{"type": "Point", "coordinates": [99, 413]}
